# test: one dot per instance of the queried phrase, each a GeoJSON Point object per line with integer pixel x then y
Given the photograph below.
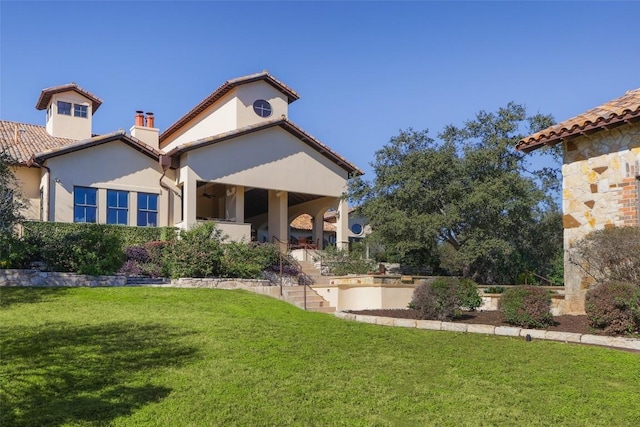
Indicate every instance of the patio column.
{"type": "Point", "coordinates": [342, 225]}
{"type": "Point", "coordinates": [278, 215]}
{"type": "Point", "coordinates": [235, 204]}
{"type": "Point", "coordinates": [318, 229]}
{"type": "Point", "coordinates": [189, 197]}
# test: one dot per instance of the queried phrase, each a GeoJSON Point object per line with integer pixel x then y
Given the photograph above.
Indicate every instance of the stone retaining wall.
{"type": "Point", "coordinates": [218, 283]}
{"type": "Point", "coordinates": [37, 278]}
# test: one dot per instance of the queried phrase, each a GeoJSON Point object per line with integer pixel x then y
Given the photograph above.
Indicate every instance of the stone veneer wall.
{"type": "Point", "coordinates": [11, 277]}
{"type": "Point", "coordinates": [600, 190]}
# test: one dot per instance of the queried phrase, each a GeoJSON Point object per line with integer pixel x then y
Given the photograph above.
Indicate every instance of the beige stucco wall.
{"type": "Point", "coordinates": [248, 93]}
{"type": "Point", "coordinates": [232, 111]}
{"type": "Point", "coordinates": [366, 296]}
{"type": "Point", "coordinates": [69, 126]}
{"type": "Point", "coordinates": [599, 191]}
{"type": "Point", "coordinates": [29, 182]}
{"type": "Point", "coordinates": [272, 158]}
{"type": "Point", "coordinates": [113, 165]}
{"type": "Point", "coordinates": [218, 118]}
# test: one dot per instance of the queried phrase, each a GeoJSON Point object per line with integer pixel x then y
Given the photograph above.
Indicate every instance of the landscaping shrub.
{"type": "Point", "coordinates": [159, 258]}
{"type": "Point", "coordinates": [614, 307]}
{"type": "Point", "coordinates": [128, 236]}
{"type": "Point", "coordinates": [527, 306]}
{"type": "Point", "coordinates": [84, 251]}
{"type": "Point", "coordinates": [342, 262]}
{"type": "Point", "coordinates": [15, 252]}
{"type": "Point", "coordinates": [445, 298]}
{"type": "Point", "coordinates": [609, 255]}
{"type": "Point", "coordinates": [242, 261]}
{"type": "Point", "coordinates": [249, 260]}
{"type": "Point", "coordinates": [139, 262]}
{"type": "Point", "coordinates": [198, 252]}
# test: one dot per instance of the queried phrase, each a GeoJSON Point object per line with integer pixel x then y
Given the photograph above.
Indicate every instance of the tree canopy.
{"type": "Point", "coordinates": [11, 203]}
{"type": "Point", "coordinates": [467, 202]}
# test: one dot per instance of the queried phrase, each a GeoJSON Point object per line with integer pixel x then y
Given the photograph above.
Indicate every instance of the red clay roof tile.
{"type": "Point", "coordinates": [613, 113]}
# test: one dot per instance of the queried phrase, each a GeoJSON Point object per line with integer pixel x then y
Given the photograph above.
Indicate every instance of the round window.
{"type": "Point", "coordinates": [262, 108]}
{"type": "Point", "coordinates": [356, 229]}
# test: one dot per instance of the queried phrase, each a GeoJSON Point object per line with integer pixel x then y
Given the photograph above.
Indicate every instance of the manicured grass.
{"type": "Point", "coordinates": [190, 357]}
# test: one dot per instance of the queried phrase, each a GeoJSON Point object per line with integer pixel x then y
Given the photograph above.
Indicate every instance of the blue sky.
{"type": "Point", "coordinates": [364, 70]}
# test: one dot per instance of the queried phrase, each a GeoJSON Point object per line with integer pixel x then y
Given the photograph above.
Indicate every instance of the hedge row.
{"type": "Point", "coordinates": [128, 236]}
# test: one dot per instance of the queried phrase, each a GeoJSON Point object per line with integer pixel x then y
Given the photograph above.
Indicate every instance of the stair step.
{"type": "Point", "coordinates": [295, 295]}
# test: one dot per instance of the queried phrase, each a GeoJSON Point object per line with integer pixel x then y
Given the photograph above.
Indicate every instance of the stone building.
{"type": "Point", "coordinates": [600, 177]}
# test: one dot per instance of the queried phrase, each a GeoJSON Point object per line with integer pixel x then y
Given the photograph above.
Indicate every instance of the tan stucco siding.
{"type": "Point", "coordinates": [69, 126]}
{"type": "Point", "coordinates": [113, 165]}
{"type": "Point", "coordinates": [218, 118]}
{"type": "Point", "coordinates": [600, 190]}
{"type": "Point", "coordinates": [249, 93]}
{"type": "Point", "coordinates": [29, 182]}
{"type": "Point", "coordinates": [273, 159]}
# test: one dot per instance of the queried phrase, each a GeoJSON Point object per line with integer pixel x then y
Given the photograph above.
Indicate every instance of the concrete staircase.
{"type": "Point", "coordinates": [295, 295]}
{"type": "Point", "coordinates": [313, 273]}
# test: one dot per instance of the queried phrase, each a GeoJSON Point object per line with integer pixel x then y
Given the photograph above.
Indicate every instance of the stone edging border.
{"type": "Point", "coordinates": [509, 331]}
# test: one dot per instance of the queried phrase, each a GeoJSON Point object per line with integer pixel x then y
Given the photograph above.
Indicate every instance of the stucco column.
{"type": "Point", "coordinates": [318, 229]}
{"type": "Point", "coordinates": [235, 204]}
{"type": "Point", "coordinates": [278, 215]}
{"type": "Point", "coordinates": [101, 214]}
{"type": "Point", "coordinates": [189, 197]}
{"type": "Point", "coordinates": [342, 225]}
{"type": "Point", "coordinates": [45, 185]}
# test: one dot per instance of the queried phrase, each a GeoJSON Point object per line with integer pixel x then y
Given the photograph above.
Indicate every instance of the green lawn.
{"type": "Point", "coordinates": [191, 357]}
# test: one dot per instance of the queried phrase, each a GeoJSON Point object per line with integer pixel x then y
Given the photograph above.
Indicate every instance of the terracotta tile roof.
{"type": "Point", "coordinates": [609, 115]}
{"type": "Point", "coordinates": [97, 140]}
{"type": "Point", "coordinates": [284, 124]}
{"type": "Point", "coordinates": [223, 90]}
{"type": "Point", "coordinates": [305, 222]}
{"type": "Point", "coordinates": [46, 94]}
{"type": "Point", "coordinates": [22, 140]}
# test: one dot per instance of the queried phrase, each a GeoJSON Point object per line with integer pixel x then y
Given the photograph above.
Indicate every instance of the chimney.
{"type": "Point", "coordinates": [147, 134]}
{"type": "Point", "coordinates": [139, 118]}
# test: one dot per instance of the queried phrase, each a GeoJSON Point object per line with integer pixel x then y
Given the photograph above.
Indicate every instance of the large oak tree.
{"type": "Point", "coordinates": [11, 202]}
{"type": "Point", "coordinates": [468, 202]}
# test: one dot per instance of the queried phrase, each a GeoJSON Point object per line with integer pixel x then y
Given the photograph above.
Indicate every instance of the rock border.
{"type": "Point", "coordinates": [509, 331]}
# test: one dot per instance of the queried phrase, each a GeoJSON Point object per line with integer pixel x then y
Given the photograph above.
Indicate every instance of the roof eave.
{"type": "Point", "coordinates": [351, 169]}
{"type": "Point", "coordinates": [92, 142]}
{"type": "Point", "coordinates": [46, 94]}
{"type": "Point", "coordinates": [221, 91]}
{"type": "Point", "coordinates": [552, 136]}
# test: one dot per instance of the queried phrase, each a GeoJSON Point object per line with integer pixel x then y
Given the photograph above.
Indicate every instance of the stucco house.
{"type": "Point", "coordinates": [600, 176]}
{"type": "Point", "coordinates": [235, 158]}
